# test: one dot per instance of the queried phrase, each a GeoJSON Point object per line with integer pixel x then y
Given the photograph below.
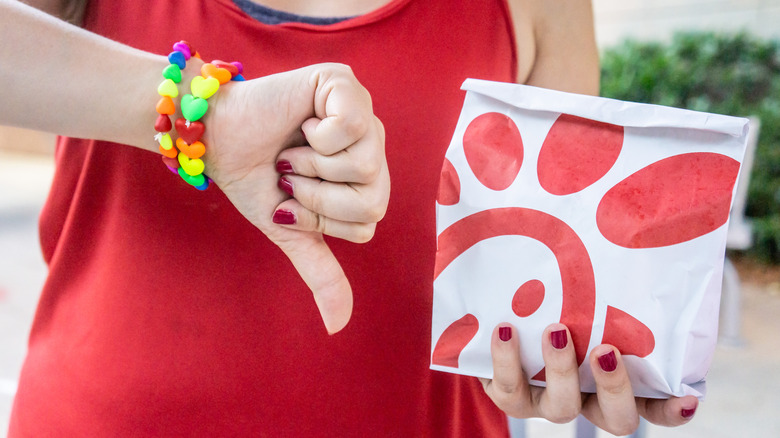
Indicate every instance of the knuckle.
{"type": "Point", "coordinates": [615, 389]}
{"type": "Point", "coordinates": [563, 416]}
{"type": "Point", "coordinates": [505, 392]}
{"type": "Point", "coordinates": [376, 212]}
{"type": "Point", "coordinates": [367, 171]}
{"type": "Point", "coordinates": [626, 426]}
{"type": "Point", "coordinates": [354, 127]}
{"type": "Point", "coordinates": [557, 372]}
{"type": "Point", "coordinates": [314, 201]}
{"type": "Point", "coordinates": [320, 224]}
{"type": "Point", "coordinates": [363, 234]}
{"type": "Point", "coordinates": [341, 68]}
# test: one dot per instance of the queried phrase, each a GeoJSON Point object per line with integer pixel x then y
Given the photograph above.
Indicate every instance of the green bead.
{"type": "Point", "coordinates": [196, 181]}
{"type": "Point", "coordinates": [172, 72]}
{"type": "Point", "coordinates": [193, 108]}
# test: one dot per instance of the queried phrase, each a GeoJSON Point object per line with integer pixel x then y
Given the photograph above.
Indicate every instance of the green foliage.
{"type": "Point", "coordinates": [726, 74]}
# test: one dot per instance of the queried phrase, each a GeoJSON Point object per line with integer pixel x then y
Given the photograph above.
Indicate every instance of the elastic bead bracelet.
{"type": "Point", "coordinates": [169, 90]}
{"type": "Point", "coordinates": [185, 158]}
{"type": "Point", "coordinates": [193, 107]}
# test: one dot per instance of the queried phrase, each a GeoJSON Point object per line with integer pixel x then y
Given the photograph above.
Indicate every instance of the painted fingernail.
{"type": "Point", "coordinates": [284, 167]}
{"type": "Point", "coordinates": [284, 217]}
{"type": "Point", "coordinates": [285, 185]}
{"type": "Point", "coordinates": [558, 339]}
{"type": "Point", "coordinates": [688, 413]}
{"type": "Point", "coordinates": [505, 333]}
{"type": "Point", "coordinates": [608, 362]}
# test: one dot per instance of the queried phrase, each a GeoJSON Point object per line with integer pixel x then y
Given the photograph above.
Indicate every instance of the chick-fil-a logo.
{"type": "Point", "coordinates": [672, 200]}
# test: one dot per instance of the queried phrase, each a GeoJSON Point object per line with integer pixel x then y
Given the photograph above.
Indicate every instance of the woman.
{"type": "Point", "coordinates": [170, 311]}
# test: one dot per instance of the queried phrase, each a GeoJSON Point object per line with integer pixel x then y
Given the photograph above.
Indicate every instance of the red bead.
{"type": "Point", "coordinates": [172, 163]}
{"type": "Point", "coordinates": [191, 133]}
{"type": "Point", "coordinates": [227, 66]}
{"type": "Point", "coordinates": [163, 123]}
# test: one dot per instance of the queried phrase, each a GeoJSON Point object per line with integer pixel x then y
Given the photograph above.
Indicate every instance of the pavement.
{"type": "Point", "coordinates": [743, 384]}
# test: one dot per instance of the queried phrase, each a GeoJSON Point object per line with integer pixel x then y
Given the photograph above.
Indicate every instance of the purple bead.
{"type": "Point", "coordinates": [239, 66]}
{"type": "Point", "coordinates": [184, 49]}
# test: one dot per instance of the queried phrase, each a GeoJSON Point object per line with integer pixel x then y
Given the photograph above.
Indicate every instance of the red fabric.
{"type": "Point", "coordinates": [144, 330]}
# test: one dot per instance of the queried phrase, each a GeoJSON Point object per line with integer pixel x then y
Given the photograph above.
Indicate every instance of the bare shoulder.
{"type": "Point", "coordinates": [556, 44]}
{"type": "Point", "coordinates": [71, 11]}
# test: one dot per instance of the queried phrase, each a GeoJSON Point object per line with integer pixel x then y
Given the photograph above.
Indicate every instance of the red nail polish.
{"type": "Point", "coordinates": [284, 167]}
{"type": "Point", "coordinates": [608, 362]}
{"type": "Point", "coordinates": [285, 185]}
{"type": "Point", "coordinates": [505, 333]}
{"type": "Point", "coordinates": [284, 217]}
{"type": "Point", "coordinates": [559, 339]}
{"type": "Point", "coordinates": [688, 413]}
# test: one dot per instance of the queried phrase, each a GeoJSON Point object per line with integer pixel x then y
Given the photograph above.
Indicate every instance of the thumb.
{"type": "Point", "coordinates": [320, 270]}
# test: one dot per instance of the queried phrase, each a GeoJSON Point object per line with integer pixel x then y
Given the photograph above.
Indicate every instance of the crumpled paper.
{"type": "Point", "coordinates": [607, 216]}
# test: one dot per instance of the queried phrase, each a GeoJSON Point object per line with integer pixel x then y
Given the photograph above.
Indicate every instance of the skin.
{"type": "Point", "coordinates": [341, 182]}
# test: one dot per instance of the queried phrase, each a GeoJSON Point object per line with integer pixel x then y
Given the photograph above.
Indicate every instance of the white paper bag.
{"type": "Point", "coordinates": [607, 216]}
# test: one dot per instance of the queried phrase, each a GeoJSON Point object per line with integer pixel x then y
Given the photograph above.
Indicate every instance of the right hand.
{"type": "Point", "coordinates": [340, 180]}
{"type": "Point", "coordinates": [613, 407]}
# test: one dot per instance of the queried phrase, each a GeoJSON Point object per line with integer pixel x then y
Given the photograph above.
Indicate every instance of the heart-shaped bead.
{"type": "Point", "coordinates": [165, 106]}
{"type": "Point", "coordinates": [172, 72]}
{"type": "Point", "coordinates": [211, 70]}
{"type": "Point", "coordinates": [165, 141]}
{"type": "Point", "coordinates": [193, 108]}
{"type": "Point", "coordinates": [193, 180]}
{"type": "Point", "coordinates": [184, 49]}
{"type": "Point", "coordinates": [168, 88]}
{"type": "Point", "coordinates": [171, 163]}
{"type": "Point", "coordinates": [171, 153]}
{"type": "Point", "coordinates": [204, 87]}
{"type": "Point", "coordinates": [191, 166]}
{"type": "Point", "coordinates": [177, 58]}
{"type": "Point", "coordinates": [194, 150]}
{"type": "Point", "coordinates": [233, 69]}
{"type": "Point", "coordinates": [191, 133]}
{"type": "Point", "coordinates": [163, 123]}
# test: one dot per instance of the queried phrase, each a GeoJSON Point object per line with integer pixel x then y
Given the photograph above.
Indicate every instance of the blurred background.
{"type": "Point", "coordinates": [720, 56]}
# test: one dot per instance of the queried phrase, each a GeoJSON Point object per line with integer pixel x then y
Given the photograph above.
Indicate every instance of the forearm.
{"type": "Point", "coordinates": [62, 79]}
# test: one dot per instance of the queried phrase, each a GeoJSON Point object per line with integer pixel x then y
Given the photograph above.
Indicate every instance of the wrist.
{"type": "Point", "coordinates": [180, 128]}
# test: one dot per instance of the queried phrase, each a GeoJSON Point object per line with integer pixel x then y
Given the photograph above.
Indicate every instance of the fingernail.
{"type": "Point", "coordinates": [688, 413]}
{"type": "Point", "coordinates": [284, 167]}
{"type": "Point", "coordinates": [558, 339]}
{"type": "Point", "coordinates": [608, 362]}
{"type": "Point", "coordinates": [285, 185]}
{"type": "Point", "coordinates": [284, 217]}
{"type": "Point", "coordinates": [505, 333]}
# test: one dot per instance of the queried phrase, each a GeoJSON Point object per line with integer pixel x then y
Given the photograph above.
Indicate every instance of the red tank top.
{"type": "Point", "coordinates": [144, 330]}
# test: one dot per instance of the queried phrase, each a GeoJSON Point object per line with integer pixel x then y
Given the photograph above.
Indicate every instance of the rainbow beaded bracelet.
{"type": "Point", "coordinates": [185, 158]}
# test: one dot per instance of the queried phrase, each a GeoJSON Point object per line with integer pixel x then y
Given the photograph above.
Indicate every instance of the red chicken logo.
{"type": "Point", "coordinates": [667, 200]}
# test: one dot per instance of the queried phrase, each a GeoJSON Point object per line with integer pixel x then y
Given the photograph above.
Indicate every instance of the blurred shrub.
{"type": "Point", "coordinates": [725, 74]}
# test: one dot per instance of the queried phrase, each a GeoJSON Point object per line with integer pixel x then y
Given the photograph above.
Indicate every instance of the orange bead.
{"type": "Point", "coordinates": [220, 74]}
{"type": "Point", "coordinates": [194, 150]}
{"type": "Point", "coordinates": [171, 153]}
{"type": "Point", "coordinates": [165, 106]}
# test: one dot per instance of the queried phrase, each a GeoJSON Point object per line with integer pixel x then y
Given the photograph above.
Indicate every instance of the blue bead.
{"type": "Point", "coordinates": [178, 59]}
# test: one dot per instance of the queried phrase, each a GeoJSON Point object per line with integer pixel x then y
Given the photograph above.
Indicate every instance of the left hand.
{"type": "Point", "coordinates": [612, 408]}
{"type": "Point", "coordinates": [336, 178]}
